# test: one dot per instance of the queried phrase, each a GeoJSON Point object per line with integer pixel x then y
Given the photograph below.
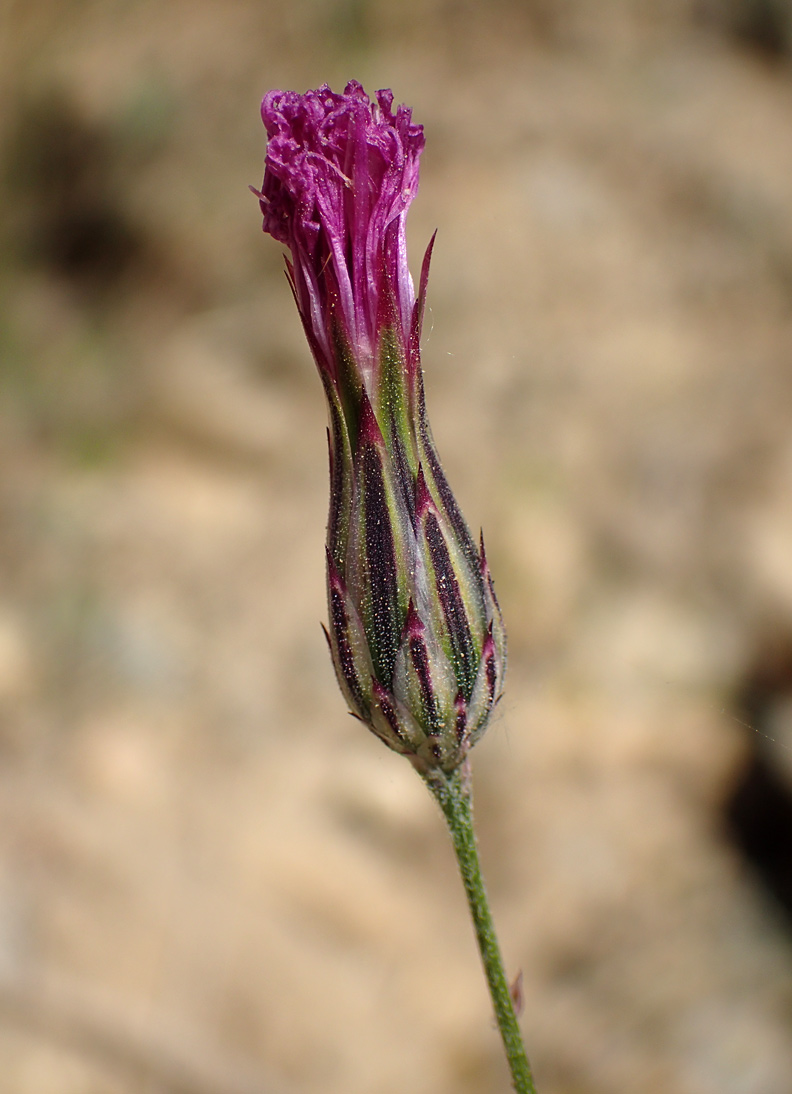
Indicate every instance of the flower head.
{"type": "Point", "coordinates": [416, 634]}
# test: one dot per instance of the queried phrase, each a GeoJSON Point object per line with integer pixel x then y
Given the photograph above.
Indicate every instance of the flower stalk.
{"type": "Point", "coordinates": [453, 795]}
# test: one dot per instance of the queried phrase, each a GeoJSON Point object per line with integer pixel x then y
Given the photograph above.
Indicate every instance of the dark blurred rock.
{"type": "Point", "coordinates": [758, 810]}
{"type": "Point", "coordinates": [764, 26]}
{"type": "Point", "coordinates": [65, 208]}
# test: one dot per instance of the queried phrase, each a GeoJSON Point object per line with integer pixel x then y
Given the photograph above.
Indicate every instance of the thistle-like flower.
{"type": "Point", "coordinates": [416, 634]}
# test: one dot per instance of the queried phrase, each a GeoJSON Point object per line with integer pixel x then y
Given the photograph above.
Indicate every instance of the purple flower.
{"type": "Point", "coordinates": [416, 634]}
{"type": "Point", "coordinates": [341, 174]}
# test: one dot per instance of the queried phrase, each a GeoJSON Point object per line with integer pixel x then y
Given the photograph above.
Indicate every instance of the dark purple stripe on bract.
{"type": "Point", "coordinates": [380, 567]}
{"type": "Point", "coordinates": [453, 606]}
{"type": "Point", "coordinates": [420, 660]}
{"type": "Point", "coordinates": [335, 516]}
{"type": "Point", "coordinates": [453, 511]}
{"type": "Point", "coordinates": [389, 713]}
{"type": "Point", "coordinates": [346, 660]}
{"type": "Point", "coordinates": [491, 666]}
{"type": "Point", "coordinates": [460, 707]}
{"type": "Point", "coordinates": [492, 676]}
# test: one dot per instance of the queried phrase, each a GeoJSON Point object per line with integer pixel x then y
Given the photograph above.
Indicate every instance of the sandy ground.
{"type": "Point", "coordinates": [212, 880]}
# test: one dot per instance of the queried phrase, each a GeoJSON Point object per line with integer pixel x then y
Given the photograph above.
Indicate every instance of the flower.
{"type": "Point", "coordinates": [416, 634]}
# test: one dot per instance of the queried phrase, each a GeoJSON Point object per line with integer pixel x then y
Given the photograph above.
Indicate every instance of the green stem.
{"type": "Point", "coordinates": [453, 795]}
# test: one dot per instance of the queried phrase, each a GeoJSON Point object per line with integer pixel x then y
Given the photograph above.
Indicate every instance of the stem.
{"type": "Point", "coordinates": [454, 797]}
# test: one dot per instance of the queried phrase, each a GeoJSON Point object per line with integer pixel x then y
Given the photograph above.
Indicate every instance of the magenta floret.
{"type": "Point", "coordinates": [341, 172]}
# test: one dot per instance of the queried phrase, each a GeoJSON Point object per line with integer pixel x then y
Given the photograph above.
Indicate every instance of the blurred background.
{"type": "Point", "coordinates": [212, 880]}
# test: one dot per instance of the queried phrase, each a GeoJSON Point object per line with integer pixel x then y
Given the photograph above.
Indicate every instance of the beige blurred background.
{"type": "Point", "coordinates": [212, 880]}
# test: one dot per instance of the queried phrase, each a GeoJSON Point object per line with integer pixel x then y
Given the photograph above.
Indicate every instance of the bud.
{"type": "Point", "coordinates": [416, 634]}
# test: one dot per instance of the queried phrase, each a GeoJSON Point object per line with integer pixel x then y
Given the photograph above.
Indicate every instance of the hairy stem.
{"type": "Point", "coordinates": [452, 793]}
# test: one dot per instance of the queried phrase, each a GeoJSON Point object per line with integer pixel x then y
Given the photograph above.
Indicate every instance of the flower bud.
{"type": "Point", "coordinates": [416, 634]}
